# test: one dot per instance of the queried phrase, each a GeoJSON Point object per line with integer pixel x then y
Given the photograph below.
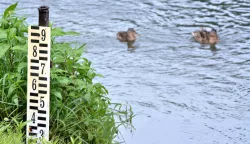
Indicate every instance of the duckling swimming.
{"type": "Point", "coordinates": [206, 37]}
{"type": "Point", "coordinates": [126, 36]}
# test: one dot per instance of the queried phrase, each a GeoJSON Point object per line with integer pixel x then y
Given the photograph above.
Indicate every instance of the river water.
{"type": "Point", "coordinates": [181, 92]}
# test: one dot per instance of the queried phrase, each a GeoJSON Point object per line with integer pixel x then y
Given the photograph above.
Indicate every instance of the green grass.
{"type": "Point", "coordinates": [10, 135]}
{"type": "Point", "coordinates": [80, 110]}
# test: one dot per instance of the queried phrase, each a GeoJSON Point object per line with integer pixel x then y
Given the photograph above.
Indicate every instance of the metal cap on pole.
{"type": "Point", "coordinates": [43, 16]}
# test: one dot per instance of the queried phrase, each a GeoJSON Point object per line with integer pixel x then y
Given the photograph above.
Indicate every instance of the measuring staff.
{"type": "Point", "coordinates": [38, 94]}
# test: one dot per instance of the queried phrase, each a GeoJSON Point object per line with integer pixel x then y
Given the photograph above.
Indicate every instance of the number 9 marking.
{"type": "Point", "coordinates": [43, 35]}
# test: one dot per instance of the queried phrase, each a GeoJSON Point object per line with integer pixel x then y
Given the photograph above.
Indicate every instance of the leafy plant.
{"type": "Point", "coordinates": [13, 63]}
{"type": "Point", "coordinates": [80, 111]}
{"type": "Point", "coordinates": [10, 131]}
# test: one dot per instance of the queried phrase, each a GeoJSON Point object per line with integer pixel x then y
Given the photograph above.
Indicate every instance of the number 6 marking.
{"type": "Point", "coordinates": [34, 84]}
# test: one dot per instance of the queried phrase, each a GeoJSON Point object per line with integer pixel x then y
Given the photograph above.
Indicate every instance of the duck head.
{"type": "Point", "coordinates": [131, 30]}
{"type": "Point", "coordinates": [213, 36]}
{"type": "Point", "coordinates": [131, 34]}
{"type": "Point", "coordinates": [213, 32]}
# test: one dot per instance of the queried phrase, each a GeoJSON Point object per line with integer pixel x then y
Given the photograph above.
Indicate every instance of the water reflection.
{"type": "Point", "coordinates": [213, 48]}
{"type": "Point", "coordinates": [131, 45]}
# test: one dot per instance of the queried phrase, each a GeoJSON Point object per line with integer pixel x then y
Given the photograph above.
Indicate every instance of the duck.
{"type": "Point", "coordinates": [206, 37]}
{"type": "Point", "coordinates": [127, 36]}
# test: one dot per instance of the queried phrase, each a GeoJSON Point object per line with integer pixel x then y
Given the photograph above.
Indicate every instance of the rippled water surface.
{"type": "Point", "coordinates": [181, 91]}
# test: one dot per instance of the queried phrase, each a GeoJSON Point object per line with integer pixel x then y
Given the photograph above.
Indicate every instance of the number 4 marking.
{"type": "Point", "coordinates": [33, 117]}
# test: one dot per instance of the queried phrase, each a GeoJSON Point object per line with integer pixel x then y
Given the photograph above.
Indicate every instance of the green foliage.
{"type": "Point", "coordinates": [11, 131]}
{"type": "Point", "coordinates": [9, 10]}
{"type": "Point", "coordinates": [80, 110]}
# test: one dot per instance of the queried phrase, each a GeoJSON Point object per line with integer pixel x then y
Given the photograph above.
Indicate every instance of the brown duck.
{"type": "Point", "coordinates": [127, 36]}
{"type": "Point", "coordinates": [206, 37]}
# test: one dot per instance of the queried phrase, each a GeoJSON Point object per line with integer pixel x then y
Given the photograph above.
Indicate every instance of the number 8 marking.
{"type": "Point", "coordinates": [34, 52]}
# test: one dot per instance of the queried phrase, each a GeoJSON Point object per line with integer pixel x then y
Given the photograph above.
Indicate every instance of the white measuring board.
{"type": "Point", "coordinates": [38, 86]}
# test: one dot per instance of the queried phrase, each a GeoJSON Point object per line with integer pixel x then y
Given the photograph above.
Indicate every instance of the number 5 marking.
{"type": "Point", "coordinates": [42, 102]}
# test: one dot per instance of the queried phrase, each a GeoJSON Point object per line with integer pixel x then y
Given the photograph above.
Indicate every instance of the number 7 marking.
{"type": "Point", "coordinates": [42, 65]}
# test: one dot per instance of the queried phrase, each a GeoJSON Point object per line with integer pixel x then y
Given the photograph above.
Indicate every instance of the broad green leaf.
{"type": "Point", "coordinates": [59, 71]}
{"type": "Point", "coordinates": [72, 33]}
{"type": "Point", "coordinates": [22, 125]}
{"type": "Point", "coordinates": [3, 49]}
{"type": "Point", "coordinates": [72, 140]}
{"type": "Point", "coordinates": [72, 94]}
{"type": "Point", "coordinates": [20, 39]}
{"type": "Point", "coordinates": [3, 34]}
{"type": "Point", "coordinates": [58, 59]}
{"type": "Point", "coordinates": [88, 97]}
{"type": "Point", "coordinates": [21, 66]}
{"type": "Point", "coordinates": [23, 48]}
{"type": "Point", "coordinates": [57, 94]}
{"type": "Point", "coordinates": [59, 32]}
{"type": "Point", "coordinates": [82, 46]}
{"type": "Point", "coordinates": [80, 83]}
{"type": "Point", "coordinates": [90, 136]}
{"type": "Point", "coordinates": [63, 80]}
{"type": "Point", "coordinates": [4, 128]}
{"type": "Point", "coordinates": [15, 99]}
{"type": "Point", "coordinates": [61, 46]}
{"type": "Point", "coordinates": [11, 33]}
{"type": "Point", "coordinates": [11, 90]}
{"type": "Point", "coordinates": [100, 75]}
{"type": "Point", "coordinates": [10, 10]}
